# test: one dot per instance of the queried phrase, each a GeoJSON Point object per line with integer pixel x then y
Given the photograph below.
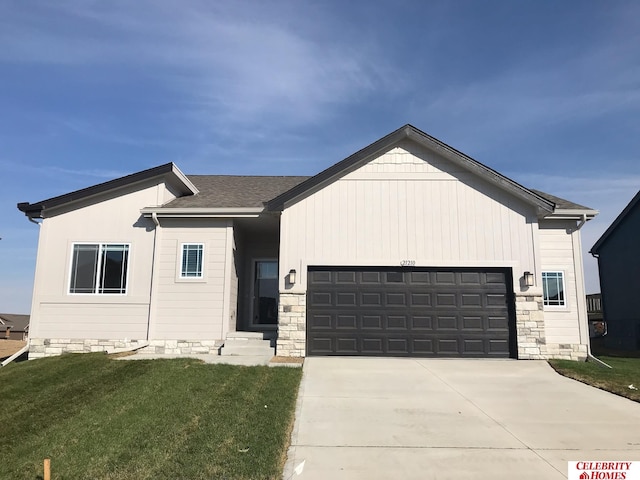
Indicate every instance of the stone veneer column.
{"type": "Point", "coordinates": [292, 328]}
{"type": "Point", "coordinates": [530, 327]}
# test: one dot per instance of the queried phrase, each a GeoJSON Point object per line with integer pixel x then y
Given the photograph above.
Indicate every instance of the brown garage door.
{"type": "Point", "coordinates": [422, 312]}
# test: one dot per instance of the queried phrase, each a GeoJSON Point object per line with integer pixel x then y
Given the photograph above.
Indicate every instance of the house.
{"type": "Point", "coordinates": [14, 326]}
{"type": "Point", "coordinates": [406, 248]}
{"type": "Point", "coordinates": [618, 254]}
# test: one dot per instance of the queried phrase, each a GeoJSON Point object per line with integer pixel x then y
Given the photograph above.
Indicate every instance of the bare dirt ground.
{"type": "Point", "coordinates": [9, 347]}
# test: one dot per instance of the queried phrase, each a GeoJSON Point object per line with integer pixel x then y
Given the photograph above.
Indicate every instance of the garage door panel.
{"type": "Point", "coordinates": [395, 300]}
{"type": "Point", "coordinates": [421, 323]}
{"type": "Point", "coordinates": [371, 322]}
{"type": "Point", "coordinates": [319, 322]}
{"type": "Point", "coordinates": [346, 278]}
{"type": "Point", "coordinates": [347, 345]}
{"type": "Point", "coordinates": [317, 299]}
{"type": "Point", "coordinates": [397, 345]}
{"type": "Point", "coordinates": [472, 323]}
{"type": "Point", "coordinates": [397, 322]}
{"type": "Point", "coordinates": [346, 322]}
{"type": "Point", "coordinates": [446, 323]}
{"type": "Point", "coordinates": [445, 299]}
{"type": "Point", "coordinates": [409, 312]}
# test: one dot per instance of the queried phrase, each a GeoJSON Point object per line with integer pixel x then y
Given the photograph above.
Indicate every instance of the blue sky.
{"type": "Point", "coordinates": [546, 92]}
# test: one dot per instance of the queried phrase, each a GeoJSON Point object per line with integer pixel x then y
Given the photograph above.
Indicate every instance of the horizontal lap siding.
{"type": "Point", "coordinates": [408, 205]}
{"type": "Point", "coordinates": [556, 252]}
{"type": "Point", "coordinates": [95, 321]}
{"type": "Point", "coordinates": [56, 313]}
{"type": "Point", "coordinates": [191, 309]}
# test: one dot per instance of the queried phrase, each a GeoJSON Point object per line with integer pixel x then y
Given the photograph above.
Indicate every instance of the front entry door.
{"type": "Point", "coordinates": [265, 293]}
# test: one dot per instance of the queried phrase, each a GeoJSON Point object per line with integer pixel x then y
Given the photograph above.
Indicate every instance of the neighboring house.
{"type": "Point", "coordinates": [14, 326]}
{"type": "Point", "coordinates": [618, 254]}
{"type": "Point", "coordinates": [406, 248]}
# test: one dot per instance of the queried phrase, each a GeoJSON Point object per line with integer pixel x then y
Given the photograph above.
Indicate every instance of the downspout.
{"type": "Point", "coordinates": [590, 357]}
{"type": "Point", "coordinates": [17, 354]}
{"type": "Point", "coordinates": [154, 218]}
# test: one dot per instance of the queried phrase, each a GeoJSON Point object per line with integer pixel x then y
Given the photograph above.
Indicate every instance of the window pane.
{"type": "Point", "coordinates": [84, 268]}
{"type": "Point", "coordinates": [114, 269]}
{"type": "Point", "coordinates": [192, 260]}
{"type": "Point", "coordinates": [267, 270]}
{"type": "Point", "coordinates": [553, 288]}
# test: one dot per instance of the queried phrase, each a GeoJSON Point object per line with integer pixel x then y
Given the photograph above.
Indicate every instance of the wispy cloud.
{"type": "Point", "coordinates": [243, 63]}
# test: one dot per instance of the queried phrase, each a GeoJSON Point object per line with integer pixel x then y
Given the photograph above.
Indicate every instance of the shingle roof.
{"type": "Point", "coordinates": [17, 322]}
{"type": "Point", "coordinates": [561, 203]}
{"type": "Point", "coordinates": [220, 191]}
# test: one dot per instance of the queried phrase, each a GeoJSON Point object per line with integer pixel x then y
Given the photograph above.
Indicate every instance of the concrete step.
{"type": "Point", "coordinates": [246, 335]}
{"type": "Point", "coordinates": [247, 343]}
{"type": "Point", "coordinates": [265, 350]}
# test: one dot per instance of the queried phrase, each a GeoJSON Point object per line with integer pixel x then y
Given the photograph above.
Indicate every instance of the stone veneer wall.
{"type": "Point", "coordinates": [531, 337]}
{"type": "Point", "coordinates": [48, 347]}
{"type": "Point", "coordinates": [292, 325]}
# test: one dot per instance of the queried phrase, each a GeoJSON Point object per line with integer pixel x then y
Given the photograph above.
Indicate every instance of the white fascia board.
{"type": "Point", "coordinates": [567, 214]}
{"type": "Point", "coordinates": [204, 212]}
{"type": "Point", "coordinates": [183, 178]}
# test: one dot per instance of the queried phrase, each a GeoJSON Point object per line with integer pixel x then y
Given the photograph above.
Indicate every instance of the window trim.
{"type": "Point", "coordinates": [565, 300]}
{"type": "Point", "coordinates": [95, 292]}
{"type": "Point", "coordinates": [200, 278]}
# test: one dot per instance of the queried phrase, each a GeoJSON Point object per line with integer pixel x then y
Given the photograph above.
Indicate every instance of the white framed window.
{"type": "Point", "coordinates": [553, 289]}
{"type": "Point", "coordinates": [99, 268]}
{"type": "Point", "coordinates": [191, 263]}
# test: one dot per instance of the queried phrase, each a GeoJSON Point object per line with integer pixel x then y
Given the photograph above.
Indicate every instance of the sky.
{"type": "Point", "coordinates": [545, 92]}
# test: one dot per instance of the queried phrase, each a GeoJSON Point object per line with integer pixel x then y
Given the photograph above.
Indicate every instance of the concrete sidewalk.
{"type": "Point", "coordinates": [374, 418]}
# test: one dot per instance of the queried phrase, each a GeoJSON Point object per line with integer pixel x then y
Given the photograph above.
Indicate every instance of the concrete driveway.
{"type": "Point", "coordinates": [374, 418]}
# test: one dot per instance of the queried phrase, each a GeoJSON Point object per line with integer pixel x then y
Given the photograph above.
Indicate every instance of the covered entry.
{"type": "Point", "coordinates": [397, 311]}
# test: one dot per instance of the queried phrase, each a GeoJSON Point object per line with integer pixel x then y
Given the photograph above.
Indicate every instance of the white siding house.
{"type": "Point", "coordinates": [406, 248]}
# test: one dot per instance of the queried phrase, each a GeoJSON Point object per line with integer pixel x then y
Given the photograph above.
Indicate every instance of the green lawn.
{"type": "Point", "coordinates": [99, 418]}
{"type": "Point", "coordinates": [625, 372]}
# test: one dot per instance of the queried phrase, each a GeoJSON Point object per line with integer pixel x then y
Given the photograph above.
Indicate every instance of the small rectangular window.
{"type": "Point", "coordinates": [99, 268]}
{"type": "Point", "coordinates": [553, 289]}
{"type": "Point", "coordinates": [191, 266]}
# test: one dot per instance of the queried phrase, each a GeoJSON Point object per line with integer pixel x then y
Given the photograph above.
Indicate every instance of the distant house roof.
{"type": "Point", "coordinates": [17, 322]}
{"type": "Point", "coordinates": [595, 250]}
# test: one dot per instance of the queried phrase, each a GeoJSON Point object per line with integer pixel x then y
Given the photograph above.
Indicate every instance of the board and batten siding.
{"type": "Point", "coordinates": [192, 308]}
{"type": "Point", "coordinates": [56, 313]}
{"type": "Point", "coordinates": [560, 251]}
{"type": "Point", "coordinates": [408, 204]}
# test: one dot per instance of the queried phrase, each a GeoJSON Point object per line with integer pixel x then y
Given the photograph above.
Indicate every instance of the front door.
{"type": "Point", "coordinates": [265, 293]}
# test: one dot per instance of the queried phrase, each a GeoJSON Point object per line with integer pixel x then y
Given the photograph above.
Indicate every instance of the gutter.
{"type": "Point", "coordinates": [15, 355]}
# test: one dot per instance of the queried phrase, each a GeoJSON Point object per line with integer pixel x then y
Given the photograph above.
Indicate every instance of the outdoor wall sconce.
{"type": "Point", "coordinates": [528, 279]}
{"type": "Point", "coordinates": [292, 276]}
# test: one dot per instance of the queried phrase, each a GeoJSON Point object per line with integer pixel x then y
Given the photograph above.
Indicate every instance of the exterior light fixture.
{"type": "Point", "coordinates": [528, 279]}
{"type": "Point", "coordinates": [292, 276]}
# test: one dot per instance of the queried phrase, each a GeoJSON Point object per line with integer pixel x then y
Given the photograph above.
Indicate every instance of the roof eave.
{"type": "Point", "coordinates": [409, 131]}
{"type": "Point", "coordinates": [177, 178]}
{"type": "Point", "coordinates": [203, 212]}
{"type": "Point", "coordinates": [572, 214]}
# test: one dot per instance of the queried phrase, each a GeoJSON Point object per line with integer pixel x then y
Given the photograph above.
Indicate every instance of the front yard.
{"type": "Point", "coordinates": [96, 417]}
{"type": "Point", "coordinates": [625, 373]}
